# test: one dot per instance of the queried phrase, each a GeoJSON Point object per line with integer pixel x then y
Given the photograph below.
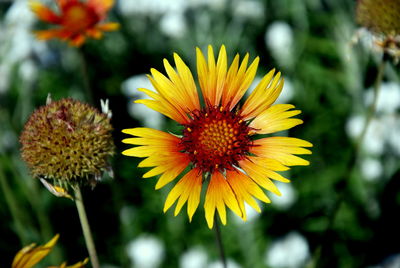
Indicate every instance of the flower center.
{"type": "Point", "coordinates": [78, 18]}
{"type": "Point", "coordinates": [216, 139]}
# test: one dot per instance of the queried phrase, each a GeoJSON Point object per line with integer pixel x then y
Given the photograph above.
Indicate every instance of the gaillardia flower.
{"type": "Point", "coordinates": [220, 142]}
{"type": "Point", "coordinates": [76, 20]}
{"type": "Point", "coordinates": [67, 143]}
{"type": "Point", "coordinates": [30, 255]}
{"type": "Point", "coordinates": [382, 18]}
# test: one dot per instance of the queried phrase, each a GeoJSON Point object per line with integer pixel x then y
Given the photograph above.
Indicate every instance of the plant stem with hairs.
{"type": "Point", "coordinates": [86, 228]}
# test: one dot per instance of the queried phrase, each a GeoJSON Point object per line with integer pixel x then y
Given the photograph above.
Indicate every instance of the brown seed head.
{"type": "Point", "coordinates": [380, 16]}
{"type": "Point", "coordinates": [67, 141]}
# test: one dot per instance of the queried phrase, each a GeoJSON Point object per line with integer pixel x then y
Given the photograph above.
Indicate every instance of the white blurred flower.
{"type": "Point", "coordinates": [213, 4]}
{"type": "Point", "coordinates": [129, 87]}
{"type": "Point", "coordinates": [19, 15]}
{"type": "Point", "coordinates": [229, 263]}
{"type": "Point", "coordinates": [28, 71]}
{"type": "Point", "coordinates": [287, 198]}
{"type": "Point", "coordinates": [290, 251]}
{"type": "Point", "coordinates": [250, 9]}
{"type": "Point", "coordinates": [193, 258]}
{"type": "Point", "coordinates": [375, 137]}
{"type": "Point", "coordinates": [251, 214]}
{"type": "Point", "coordinates": [279, 40]}
{"type": "Point", "coordinates": [146, 252]}
{"type": "Point", "coordinates": [371, 169]}
{"type": "Point", "coordinates": [388, 97]}
{"type": "Point", "coordinates": [173, 24]}
{"type": "Point", "coordinates": [150, 7]}
{"type": "Point", "coordinates": [394, 136]}
{"type": "Point", "coordinates": [287, 92]}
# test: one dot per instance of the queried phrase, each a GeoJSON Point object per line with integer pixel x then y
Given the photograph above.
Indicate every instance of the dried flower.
{"type": "Point", "coordinates": [68, 143]}
{"type": "Point", "coordinates": [382, 18]}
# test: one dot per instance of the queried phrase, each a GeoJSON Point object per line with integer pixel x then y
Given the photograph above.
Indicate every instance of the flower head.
{"type": "Point", "coordinates": [76, 20]}
{"type": "Point", "coordinates": [67, 142]}
{"type": "Point", "coordinates": [30, 255]}
{"type": "Point", "coordinates": [382, 18]}
{"type": "Point", "coordinates": [220, 140]}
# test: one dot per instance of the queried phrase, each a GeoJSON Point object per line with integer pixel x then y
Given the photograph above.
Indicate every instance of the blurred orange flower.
{"type": "Point", "coordinates": [77, 20]}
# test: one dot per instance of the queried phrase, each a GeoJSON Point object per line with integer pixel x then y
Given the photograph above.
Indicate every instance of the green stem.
{"type": "Point", "coordinates": [218, 237]}
{"type": "Point", "coordinates": [85, 76]}
{"type": "Point", "coordinates": [318, 253]}
{"type": "Point", "coordinates": [86, 228]}
{"type": "Point", "coordinates": [13, 206]}
{"type": "Point", "coordinates": [372, 108]}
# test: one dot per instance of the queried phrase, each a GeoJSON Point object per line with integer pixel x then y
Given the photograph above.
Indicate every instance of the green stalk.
{"type": "Point", "coordinates": [317, 260]}
{"type": "Point", "coordinates": [85, 76]}
{"type": "Point", "coordinates": [218, 237]}
{"type": "Point", "coordinates": [86, 228]}
{"type": "Point", "coordinates": [13, 206]}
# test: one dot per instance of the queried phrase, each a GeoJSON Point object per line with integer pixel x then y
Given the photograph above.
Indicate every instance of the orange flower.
{"type": "Point", "coordinates": [222, 142]}
{"type": "Point", "coordinates": [77, 20]}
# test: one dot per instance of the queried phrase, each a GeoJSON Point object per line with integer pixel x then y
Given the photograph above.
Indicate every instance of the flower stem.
{"type": "Point", "coordinates": [218, 237]}
{"type": "Point", "coordinates": [318, 258]}
{"type": "Point", "coordinates": [372, 108]}
{"type": "Point", "coordinates": [85, 76]}
{"type": "Point", "coordinates": [86, 228]}
{"type": "Point", "coordinates": [13, 206]}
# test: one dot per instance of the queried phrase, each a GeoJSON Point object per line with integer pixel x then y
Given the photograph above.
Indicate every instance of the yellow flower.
{"type": "Point", "coordinates": [30, 255]}
{"type": "Point", "coordinates": [77, 20]}
{"type": "Point", "coordinates": [220, 141]}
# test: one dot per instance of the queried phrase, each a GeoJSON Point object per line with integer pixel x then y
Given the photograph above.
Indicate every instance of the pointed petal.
{"type": "Point", "coordinates": [245, 189]}
{"type": "Point", "coordinates": [219, 194]}
{"type": "Point", "coordinates": [108, 27]}
{"type": "Point", "coordinates": [44, 13]}
{"type": "Point", "coordinates": [101, 6]}
{"type": "Point", "coordinates": [188, 190]}
{"type": "Point", "coordinates": [29, 256]}
{"type": "Point", "coordinates": [53, 33]}
{"type": "Point", "coordinates": [282, 149]}
{"type": "Point", "coordinates": [263, 96]}
{"type": "Point", "coordinates": [78, 40]}
{"type": "Point", "coordinates": [244, 83]}
{"type": "Point", "coordinates": [275, 118]}
{"type": "Point", "coordinates": [162, 151]}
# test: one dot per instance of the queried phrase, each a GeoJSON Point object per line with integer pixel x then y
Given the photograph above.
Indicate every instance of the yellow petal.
{"type": "Point", "coordinates": [188, 190]}
{"type": "Point", "coordinates": [29, 256]}
{"type": "Point", "coordinates": [282, 149]}
{"type": "Point", "coordinates": [276, 118]}
{"type": "Point", "coordinates": [245, 189]}
{"type": "Point", "coordinates": [218, 195]}
{"type": "Point", "coordinates": [263, 96]}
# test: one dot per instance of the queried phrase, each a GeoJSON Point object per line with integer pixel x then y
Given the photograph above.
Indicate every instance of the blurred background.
{"type": "Point", "coordinates": [341, 218]}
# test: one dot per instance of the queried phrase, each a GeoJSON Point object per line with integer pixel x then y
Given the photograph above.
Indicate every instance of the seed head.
{"type": "Point", "coordinates": [68, 142]}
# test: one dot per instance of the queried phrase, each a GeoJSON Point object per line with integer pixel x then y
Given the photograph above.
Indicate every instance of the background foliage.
{"type": "Point", "coordinates": [328, 78]}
